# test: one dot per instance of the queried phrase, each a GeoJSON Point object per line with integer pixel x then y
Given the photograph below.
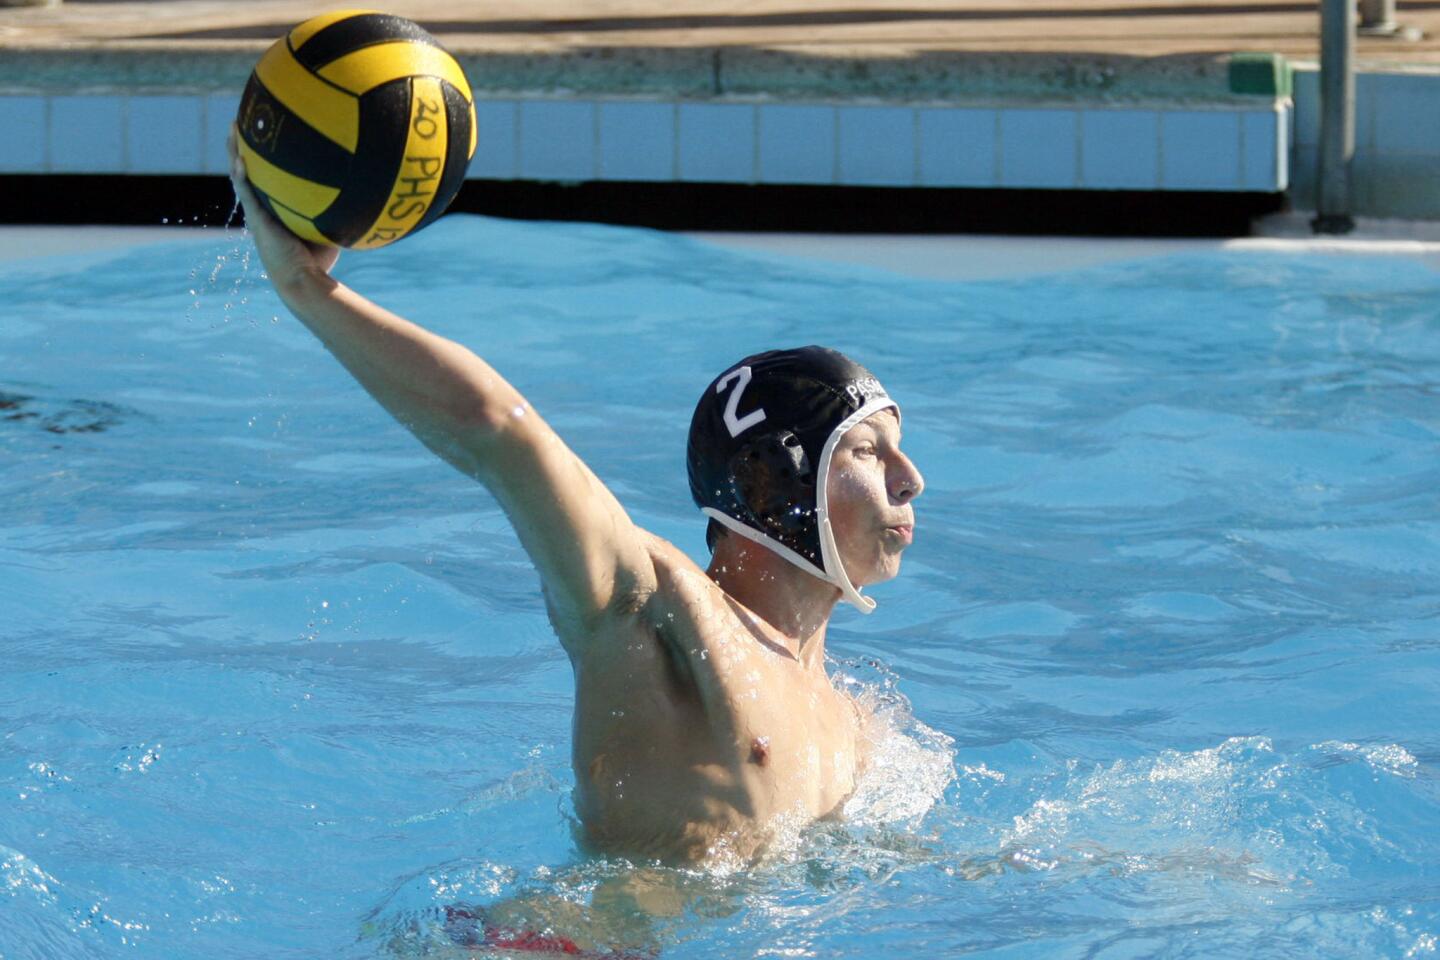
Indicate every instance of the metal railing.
{"type": "Point", "coordinates": [1338, 29]}
{"type": "Point", "coordinates": [1337, 116]}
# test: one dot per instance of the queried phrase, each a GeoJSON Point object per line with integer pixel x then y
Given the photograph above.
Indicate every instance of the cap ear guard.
{"type": "Point", "coordinates": [769, 543]}
{"type": "Point", "coordinates": [829, 551]}
{"type": "Point", "coordinates": [767, 472]}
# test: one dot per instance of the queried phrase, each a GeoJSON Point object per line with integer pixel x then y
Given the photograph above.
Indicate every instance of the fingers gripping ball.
{"type": "Point", "coordinates": [356, 129]}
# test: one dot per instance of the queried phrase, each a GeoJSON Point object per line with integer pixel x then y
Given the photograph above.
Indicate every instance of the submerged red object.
{"type": "Point", "coordinates": [469, 928]}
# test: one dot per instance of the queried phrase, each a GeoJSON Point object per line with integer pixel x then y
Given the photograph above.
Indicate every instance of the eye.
{"type": "Point", "coordinates": [864, 450]}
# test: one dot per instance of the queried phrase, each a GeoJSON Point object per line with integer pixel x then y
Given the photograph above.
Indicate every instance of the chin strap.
{"type": "Point", "coordinates": [766, 541]}
{"type": "Point", "coordinates": [847, 590]}
{"type": "Point", "coordinates": [829, 552]}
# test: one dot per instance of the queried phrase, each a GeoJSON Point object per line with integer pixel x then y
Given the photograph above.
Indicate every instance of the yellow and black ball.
{"type": "Point", "coordinates": [356, 129]}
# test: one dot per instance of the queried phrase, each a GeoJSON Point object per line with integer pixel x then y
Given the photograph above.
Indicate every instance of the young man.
{"type": "Point", "coordinates": [704, 718]}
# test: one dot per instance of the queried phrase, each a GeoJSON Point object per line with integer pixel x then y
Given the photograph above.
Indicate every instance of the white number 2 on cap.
{"type": "Point", "coordinates": [738, 425]}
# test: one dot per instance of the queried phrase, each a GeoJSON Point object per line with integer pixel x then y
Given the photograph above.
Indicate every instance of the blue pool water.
{"type": "Point", "coordinates": [1162, 666]}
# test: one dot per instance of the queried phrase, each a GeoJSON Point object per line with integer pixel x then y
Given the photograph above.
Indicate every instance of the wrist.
{"type": "Point", "coordinates": [300, 284]}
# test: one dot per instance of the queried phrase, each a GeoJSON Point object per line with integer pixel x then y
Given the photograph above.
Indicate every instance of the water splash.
{"type": "Point", "coordinates": [1177, 810]}
{"type": "Point", "coordinates": [226, 272]}
{"type": "Point", "coordinates": [909, 766]}
{"type": "Point", "coordinates": [208, 277]}
{"type": "Point", "coordinates": [1388, 758]}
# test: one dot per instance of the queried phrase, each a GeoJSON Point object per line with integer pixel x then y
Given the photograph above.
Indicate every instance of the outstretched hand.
{"type": "Point", "coordinates": [287, 258]}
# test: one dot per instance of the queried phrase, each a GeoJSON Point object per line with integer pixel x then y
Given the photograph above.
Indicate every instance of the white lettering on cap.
{"type": "Point", "coordinates": [865, 389]}
{"type": "Point", "coordinates": [735, 424]}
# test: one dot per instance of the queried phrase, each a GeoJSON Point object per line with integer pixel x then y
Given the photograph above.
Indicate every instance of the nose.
{"type": "Point", "coordinates": [906, 483]}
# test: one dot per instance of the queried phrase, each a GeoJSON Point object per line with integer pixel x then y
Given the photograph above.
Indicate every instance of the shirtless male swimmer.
{"type": "Point", "coordinates": [703, 712]}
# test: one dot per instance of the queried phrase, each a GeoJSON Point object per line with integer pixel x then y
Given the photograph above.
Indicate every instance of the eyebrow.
{"type": "Point", "coordinates": [879, 433]}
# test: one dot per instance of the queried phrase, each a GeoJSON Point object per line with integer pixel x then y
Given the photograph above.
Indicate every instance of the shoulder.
{"type": "Point", "coordinates": [683, 607]}
{"type": "Point", "coordinates": [678, 583]}
{"type": "Point", "coordinates": [679, 580]}
{"type": "Point", "coordinates": [670, 559]}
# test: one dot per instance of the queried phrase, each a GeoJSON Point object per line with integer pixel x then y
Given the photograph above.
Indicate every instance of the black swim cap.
{"type": "Point", "coordinates": [760, 447]}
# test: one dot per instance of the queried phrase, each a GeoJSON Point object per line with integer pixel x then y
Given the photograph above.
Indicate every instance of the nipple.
{"type": "Point", "coordinates": [759, 750]}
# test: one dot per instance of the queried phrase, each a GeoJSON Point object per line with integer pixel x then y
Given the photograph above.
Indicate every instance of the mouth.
{"type": "Point", "coordinates": [905, 531]}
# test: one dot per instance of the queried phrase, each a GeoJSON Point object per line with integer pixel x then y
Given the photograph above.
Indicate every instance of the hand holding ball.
{"type": "Point", "coordinates": [356, 129]}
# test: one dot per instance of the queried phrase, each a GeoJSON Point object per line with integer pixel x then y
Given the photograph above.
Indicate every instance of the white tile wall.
{"type": "Point", "coordinates": [1265, 147]}
{"type": "Point", "coordinates": [959, 147]}
{"type": "Point", "coordinates": [497, 144]}
{"type": "Point", "coordinates": [557, 139]}
{"type": "Point", "coordinates": [22, 148]}
{"type": "Point", "coordinates": [87, 134]}
{"type": "Point", "coordinates": [1200, 150]}
{"type": "Point", "coordinates": [639, 140]}
{"type": "Point", "coordinates": [717, 142]}
{"type": "Point", "coordinates": [1368, 96]}
{"type": "Point", "coordinates": [1406, 111]}
{"type": "Point", "coordinates": [1039, 148]}
{"type": "Point", "coordinates": [164, 135]}
{"type": "Point", "coordinates": [878, 146]}
{"type": "Point", "coordinates": [797, 144]}
{"type": "Point", "coordinates": [218, 111]}
{"type": "Point", "coordinates": [1120, 149]}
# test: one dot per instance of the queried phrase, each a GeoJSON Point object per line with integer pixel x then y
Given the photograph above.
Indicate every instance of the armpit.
{"type": "Point", "coordinates": [631, 601]}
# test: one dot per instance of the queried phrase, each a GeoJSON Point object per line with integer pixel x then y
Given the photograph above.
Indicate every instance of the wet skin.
{"type": "Point", "coordinates": [702, 727]}
{"type": "Point", "coordinates": [705, 720]}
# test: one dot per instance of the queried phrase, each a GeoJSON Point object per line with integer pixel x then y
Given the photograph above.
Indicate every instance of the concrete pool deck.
{"type": "Point", "coordinates": [875, 28]}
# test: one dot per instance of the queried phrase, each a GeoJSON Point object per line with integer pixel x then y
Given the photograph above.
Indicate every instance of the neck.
{"type": "Point", "coordinates": [794, 603]}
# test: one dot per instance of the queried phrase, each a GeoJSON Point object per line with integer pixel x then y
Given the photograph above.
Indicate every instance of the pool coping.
{"type": "Point", "coordinates": [946, 258]}
{"type": "Point", "coordinates": [879, 73]}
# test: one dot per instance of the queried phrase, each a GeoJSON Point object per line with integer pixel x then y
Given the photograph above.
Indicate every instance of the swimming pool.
{"type": "Point", "coordinates": [1162, 664]}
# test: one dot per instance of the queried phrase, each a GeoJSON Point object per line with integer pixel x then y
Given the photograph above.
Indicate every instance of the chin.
{"type": "Point", "coordinates": [886, 569]}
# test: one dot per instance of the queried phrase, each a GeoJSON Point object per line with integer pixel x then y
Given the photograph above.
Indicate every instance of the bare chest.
{"type": "Point", "coordinates": [794, 739]}
{"type": "Point", "coordinates": [673, 755]}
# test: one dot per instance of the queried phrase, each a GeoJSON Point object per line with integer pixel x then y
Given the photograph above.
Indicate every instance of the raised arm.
{"type": "Point", "coordinates": [592, 559]}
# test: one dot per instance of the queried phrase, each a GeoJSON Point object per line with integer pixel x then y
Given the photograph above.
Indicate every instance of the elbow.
{"type": "Point", "coordinates": [467, 436]}
{"type": "Point", "coordinates": [474, 402]}
{"type": "Point", "coordinates": [483, 419]}
{"type": "Point", "coordinates": [476, 432]}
